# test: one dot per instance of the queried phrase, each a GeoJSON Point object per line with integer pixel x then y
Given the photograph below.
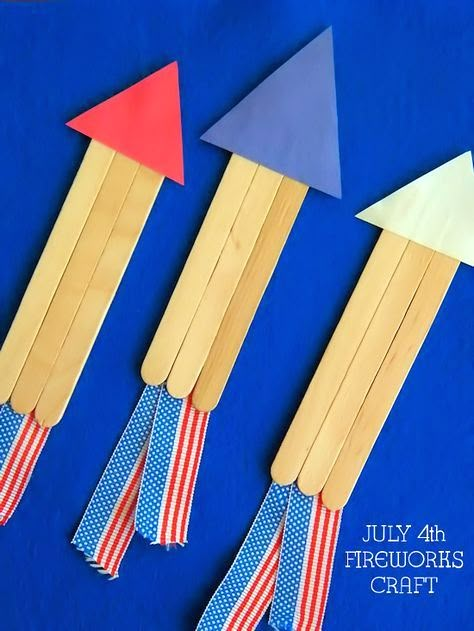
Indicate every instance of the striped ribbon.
{"type": "Point", "coordinates": [21, 442]}
{"type": "Point", "coordinates": [245, 593]}
{"type": "Point", "coordinates": [149, 482]}
{"type": "Point", "coordinates": [107, 526]}
{"type": "Point", "coordinates": [172, 464]}
{"type": "Point", "coordinates": [287, 557]}
{"type": "Point", "coordinates": [306, 561]}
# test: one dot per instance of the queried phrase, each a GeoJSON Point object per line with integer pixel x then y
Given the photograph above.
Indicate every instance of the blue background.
{"type": "Point", "coordinates": [404, 74]}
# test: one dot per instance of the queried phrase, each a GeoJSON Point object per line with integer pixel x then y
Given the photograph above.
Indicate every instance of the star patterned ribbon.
{"type": "Point", "coordinates": [148, 484]}
{"type": "Point", "coordinates": [21, 442]}
{"type": "Point", "coordinates": [287, 557]}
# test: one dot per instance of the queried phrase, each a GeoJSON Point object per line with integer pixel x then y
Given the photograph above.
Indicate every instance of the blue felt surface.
{"type": "Point", "coordinates": [406, 104]}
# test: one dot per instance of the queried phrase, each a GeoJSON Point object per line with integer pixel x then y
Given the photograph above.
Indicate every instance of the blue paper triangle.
{"type": "Point", "coordinates": [289, 122]}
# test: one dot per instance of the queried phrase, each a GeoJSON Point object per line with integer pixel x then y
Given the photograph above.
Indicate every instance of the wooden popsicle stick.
{"type": "Point", "coordinates": [198, 270]}
{"type": "Point", "coordinates": [389, 380]}
{"type": "Point", "coordinates": [338, 356]}
{"type": "Point", "coordinates": [364, 367]}
{"type": "Point", "coordinates": [249, 292]}
{"type": "Point", "coordinates": [98, 297]}
{"type": "Point", "coordinates": [51, 265]}
{"type": "Point", "coordinates": [224, 280]}
{"type": "Point", "coordinates": [73, 284]}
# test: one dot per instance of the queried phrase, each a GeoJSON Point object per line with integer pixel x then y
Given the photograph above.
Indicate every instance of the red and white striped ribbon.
{"type": "Point", "coordinates": [23, 439]}
{"type": "Point", "coordinates": [287, 557]}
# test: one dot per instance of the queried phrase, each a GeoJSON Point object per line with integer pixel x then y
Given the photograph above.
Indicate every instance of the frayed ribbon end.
{"type": "Point", "coordinates": [92, 561]}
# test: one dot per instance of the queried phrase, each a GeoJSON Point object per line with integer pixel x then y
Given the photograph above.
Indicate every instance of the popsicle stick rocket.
{"type": "Point", "coordinates": [135, 143]}
{"type": "Point", "coordinates": [283, 138]}
{"type": "Point", "coordinates": [338, 357]}
{"type": "Point", "coordinates": [51, 266]}
{"type": "Point", "coordinates": [73, 284]}
{"type": "Point", "coordinates": [287, 128]}
{"type": "Point", "coordinates": [287, 556]}
{"type": "Point", "coordinates": [222, 284]}
{"type": "Point", "coordinates": [100, 292]}
{"type": "Point", "coordinates": [387, 383]}
{"type": "Point", "coordinates": [445, 199]}
{"type": "Point", "coordinates": [332, 434]}
{"type": "Point", "coordinates": [198, 270]}
{"type": "Point", "coordinates": [367, 360]}
{"type": "Point", "coordinates": [247, 296]}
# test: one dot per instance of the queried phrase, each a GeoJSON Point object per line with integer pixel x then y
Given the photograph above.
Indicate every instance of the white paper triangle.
{"type": "Point", "coordinates": [436, 210]}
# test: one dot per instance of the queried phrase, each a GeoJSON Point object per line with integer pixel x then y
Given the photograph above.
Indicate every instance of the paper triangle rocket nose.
{"type": "Point", "coordinates": [289, 122]}
{"type": "Point", "coordinates": [143, 122]}
{"type": "Point", "coordinates": [436, 210]}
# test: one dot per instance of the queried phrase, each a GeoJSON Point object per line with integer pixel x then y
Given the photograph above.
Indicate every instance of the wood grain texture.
{"type": "Point", "coordinates": [389, 380]}
{"type": "Point", "coordinates": [51, 265]}
{"type": "Point", "coordinates": [198, 270]}
{"type": "Point", "coordinates": [338, 356]}
{"type": "Point", "coordinates": [98, 297]}
{"type": "Point", "coordinates": [73, 284]}
{"type": "Point", "coordinates": [223, 282]}
{"type": "Point", "coordinates": [249, 292]}
{"type": "Point", "coordinates": [364, 367]}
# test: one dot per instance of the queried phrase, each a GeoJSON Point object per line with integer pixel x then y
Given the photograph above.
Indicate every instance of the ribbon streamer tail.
{"type": "Point", "coordinates": [171, 469]}
{"type": "Point", "coordinates": [306, 561]}
{"type": "Point", "coordinates": [108, 524]}
{"type": "Point", "coordinates": [288, 557]}
{"type": "Point", "coordinates": [247, 590]}
{"type": "Point", "coordinates": [21, 442]}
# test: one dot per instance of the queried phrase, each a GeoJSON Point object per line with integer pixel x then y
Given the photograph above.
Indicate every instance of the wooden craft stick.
{"type": "Point", "coordinates": [249, 292]}
{"type": "Point", "coordinates": [223, 282]}
{"type": "Point", "coordinates": [338, 356]}
{"type": "Point", "coordinates": [198, 270]}
{"type": "Point", "coordinates": [73, 284]}
{"type": "Point", "coordinates": [52, 264]}
{"type": "Point", "coordinates": [364, 367]}
{"type": "Point", "coordinates": [389, 381]}
{"type": "Point", "coordinates": [98, 297]}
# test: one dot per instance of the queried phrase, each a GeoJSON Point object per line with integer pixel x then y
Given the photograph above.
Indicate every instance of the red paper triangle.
{"type": "Point", "coordinates": [143, 122]}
